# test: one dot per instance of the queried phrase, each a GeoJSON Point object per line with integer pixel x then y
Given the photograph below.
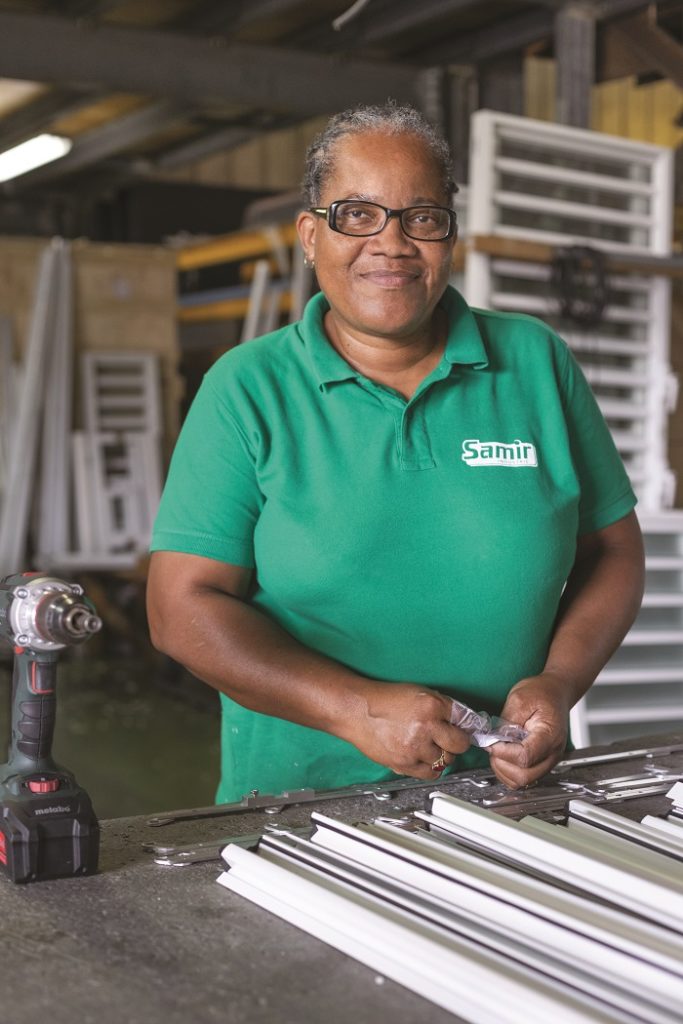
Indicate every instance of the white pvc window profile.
{"type": "Point", "coordinates": [490, 932]}
{"type": "Point", "coordinates": [607, 924]}
{"type": "Point", "coordinates": [452, 973]}
{"type": "Point", "coordinates": [616, 826]}
{"type": "Point", "coordinates": [672, 827]}
{"type": "Point", "coordinates": [637, 888]}
{"type": "Point", "coordinates": [526, 925]}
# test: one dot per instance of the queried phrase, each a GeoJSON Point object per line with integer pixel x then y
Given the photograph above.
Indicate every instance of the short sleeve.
{"type": "Point", "coordinates": [211, 500]}
{"type": "Point", "coordinates": [606, 492]}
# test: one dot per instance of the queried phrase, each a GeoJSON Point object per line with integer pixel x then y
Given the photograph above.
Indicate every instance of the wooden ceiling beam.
{"type": "Point", "coordinates": [46, 48]}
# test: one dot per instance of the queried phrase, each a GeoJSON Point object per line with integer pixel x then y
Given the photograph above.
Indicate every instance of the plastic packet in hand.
{"type": "Point", "coordinates": [485, 729]}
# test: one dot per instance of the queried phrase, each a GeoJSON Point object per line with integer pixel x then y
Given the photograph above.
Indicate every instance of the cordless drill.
{"type": "Point", "coordinates": [48, 828]}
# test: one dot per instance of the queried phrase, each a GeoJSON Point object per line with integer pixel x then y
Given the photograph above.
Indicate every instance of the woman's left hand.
{"type": "Point", "coordinates": [541, 705]}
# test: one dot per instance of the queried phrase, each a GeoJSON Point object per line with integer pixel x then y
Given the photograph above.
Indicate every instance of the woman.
{"type": "Point", "coordinates": [395, 501]}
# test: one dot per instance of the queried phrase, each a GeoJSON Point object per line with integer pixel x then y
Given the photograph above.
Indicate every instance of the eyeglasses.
{"type": "Point", "coordinates": [424, 223]}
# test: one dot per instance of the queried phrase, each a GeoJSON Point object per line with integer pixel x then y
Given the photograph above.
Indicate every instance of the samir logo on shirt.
{"type": "Point", "coordinates": [495, 453]}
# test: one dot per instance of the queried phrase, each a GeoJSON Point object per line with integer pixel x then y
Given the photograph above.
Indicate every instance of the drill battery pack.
{"type": "Point", "coordinates": [48, 838]}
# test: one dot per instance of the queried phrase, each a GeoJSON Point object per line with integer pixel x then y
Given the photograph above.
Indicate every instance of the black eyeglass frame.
{"type": "Point", "coordinates": [330, 215]}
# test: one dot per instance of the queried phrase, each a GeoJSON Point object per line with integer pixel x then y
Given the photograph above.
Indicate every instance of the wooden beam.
{"type": "Point", "coordinates": [538, 252]}
{"type": "Point", "coordinates": [229, 309]}
{"type": "Point", "coordinates": [654, 48]}
{"type": "Point", "coordinates": [241, 245]}
{"type": "Point", "coordinates": [192, 70]}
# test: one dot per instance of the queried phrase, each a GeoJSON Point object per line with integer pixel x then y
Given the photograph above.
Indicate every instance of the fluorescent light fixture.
{"type": "Point", "coordinates": [42, 149]}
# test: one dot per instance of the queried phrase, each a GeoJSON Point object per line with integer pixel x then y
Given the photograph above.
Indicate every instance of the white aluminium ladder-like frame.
{"type": "Point", "coordinates": [541, 182]}
{"type": "Point", "coordinates": [640, 690]}
{"type": "Point", "coordinates": [536, 181]}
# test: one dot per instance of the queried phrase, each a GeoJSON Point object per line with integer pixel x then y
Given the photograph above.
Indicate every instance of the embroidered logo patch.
{"type": "Point", "coordinates": [495, 453]}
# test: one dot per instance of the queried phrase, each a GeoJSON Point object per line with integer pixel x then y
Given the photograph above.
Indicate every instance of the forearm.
{"type": "Point", "coordinates": [244, 654]}
{"type": "Point", "coordinates": [600, 602]}
{"type": "Point", "coordinates": [199, 615]}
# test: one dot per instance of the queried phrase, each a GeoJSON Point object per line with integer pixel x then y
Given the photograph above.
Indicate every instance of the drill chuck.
{"type": "Point", "coordinates": [61, 618]}
{"type": "Point", "coordinates": [47, 614]}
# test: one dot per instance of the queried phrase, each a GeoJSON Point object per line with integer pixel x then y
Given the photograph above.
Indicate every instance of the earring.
{"type": "Point", "coordinates": [309, 263]}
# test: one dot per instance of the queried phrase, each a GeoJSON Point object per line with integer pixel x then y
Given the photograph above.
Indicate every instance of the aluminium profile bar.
{"type": "Point", "coordinates": [449, 971]}
{"type": "Point", "coordinates": [597, 841]}
{"type": "Point", "coordinates": [259, 293]}
{"type": "Point", "coordinates": [635, 832]}
{"type": "Point", "coordinates": [641, 637]}
{"type": "Point", "coordinates": [20, 482]}
{"type": "Point", "coordinates": [573, 211]}
{"type": "Point", "coordinates": [675, 794]}
{"type": "Point", "coordinates": [607, 924]}
{"type": "Point", "coordinates": [601, 345]}
{"type": "Point", "coordinates": [54, 498]}
{"type": "Point", "coordinates": [639, 889]}
{"type": "Point", "coordinates": [484, 925]}
{"type": "Point", "coordinates": [669, 826]}
{"type": "Point", "coordinates": [611, 376]}
{"type": "Point", "coordinates": [618, 847]}
{"type": "Point", "coordinates": [345, 939]}
{"type": "Point", "coordinates": [611, 248]}
{"type": "Point", "coordinates": [526, 926]}
{"type": "Point", "coordinates": [572, 176]}
{"type": "Point", "coordinates": [527, 271]}
{"type": "Point", "coordinates": [590, 144]}
{"type": "Point", "coordinates": [7, 395]}
{"type": "Point", "coordinates": [549, 304]}
{"type": "Point", "coordinates": [665, 599]}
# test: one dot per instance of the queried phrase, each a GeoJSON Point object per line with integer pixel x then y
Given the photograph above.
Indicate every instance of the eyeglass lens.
{"type": "Point", "coordinates": [424, 222]}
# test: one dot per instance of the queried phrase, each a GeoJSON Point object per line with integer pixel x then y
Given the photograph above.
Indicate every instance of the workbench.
{"type": "Point", "coordinates": [143, 943]}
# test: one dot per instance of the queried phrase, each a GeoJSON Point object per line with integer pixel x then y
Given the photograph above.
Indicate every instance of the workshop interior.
{"type": "Point", "coordinates": [151, 156]}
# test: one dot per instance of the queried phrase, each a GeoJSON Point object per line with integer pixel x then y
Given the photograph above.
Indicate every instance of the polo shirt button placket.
{"type": "Point", "coordinates": [416, 452]}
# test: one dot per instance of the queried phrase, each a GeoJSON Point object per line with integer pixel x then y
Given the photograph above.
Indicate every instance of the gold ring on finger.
{"type": "Point", "coordinates": [440, 763]}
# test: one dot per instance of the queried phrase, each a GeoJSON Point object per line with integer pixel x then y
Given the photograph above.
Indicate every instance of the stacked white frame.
{"type": "Point", "coordinates": [641, 687]}
{"type": "Point", "coordinates": [521, 172]}
{"type": "Point", "coordinates": [620, 202]}
{"type": "Point", "coordinates": [117, 460]}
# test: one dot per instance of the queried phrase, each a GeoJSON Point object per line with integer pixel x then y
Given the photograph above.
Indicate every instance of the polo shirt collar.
{"type": "Point", "coordinates": [464, 346]}
{"type": "Point", "coordinates": [328, 365]}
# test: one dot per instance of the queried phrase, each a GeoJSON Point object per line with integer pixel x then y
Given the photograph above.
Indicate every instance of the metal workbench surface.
{"type": "Point", "coordinates": [143, 943]}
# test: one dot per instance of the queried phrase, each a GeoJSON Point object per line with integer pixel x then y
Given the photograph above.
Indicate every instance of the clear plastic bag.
{"type": "Point", "coordinates": [485, 729]}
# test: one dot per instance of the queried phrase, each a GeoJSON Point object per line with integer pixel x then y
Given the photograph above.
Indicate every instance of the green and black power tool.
{"type": "Point", "coordinates": [48, 828]}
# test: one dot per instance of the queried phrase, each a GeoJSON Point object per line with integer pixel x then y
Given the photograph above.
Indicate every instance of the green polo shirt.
{"type": "Point", "coordinates": [423, 541]}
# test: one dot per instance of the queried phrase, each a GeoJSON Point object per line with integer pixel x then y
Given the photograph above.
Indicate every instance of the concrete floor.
{"type": "Point", "coordinates": [139, 735]}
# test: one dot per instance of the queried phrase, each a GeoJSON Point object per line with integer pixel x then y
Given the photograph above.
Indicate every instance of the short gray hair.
{"type": "Point", "coordinates": [389, 118]}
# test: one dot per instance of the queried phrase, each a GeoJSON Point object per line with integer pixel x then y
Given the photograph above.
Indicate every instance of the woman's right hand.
{"type": "Point", "coordinates": [406, 728]}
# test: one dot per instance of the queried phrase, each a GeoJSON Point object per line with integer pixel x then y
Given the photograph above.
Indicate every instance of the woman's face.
{"type": "Point", "coordinates": [384, 285]}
